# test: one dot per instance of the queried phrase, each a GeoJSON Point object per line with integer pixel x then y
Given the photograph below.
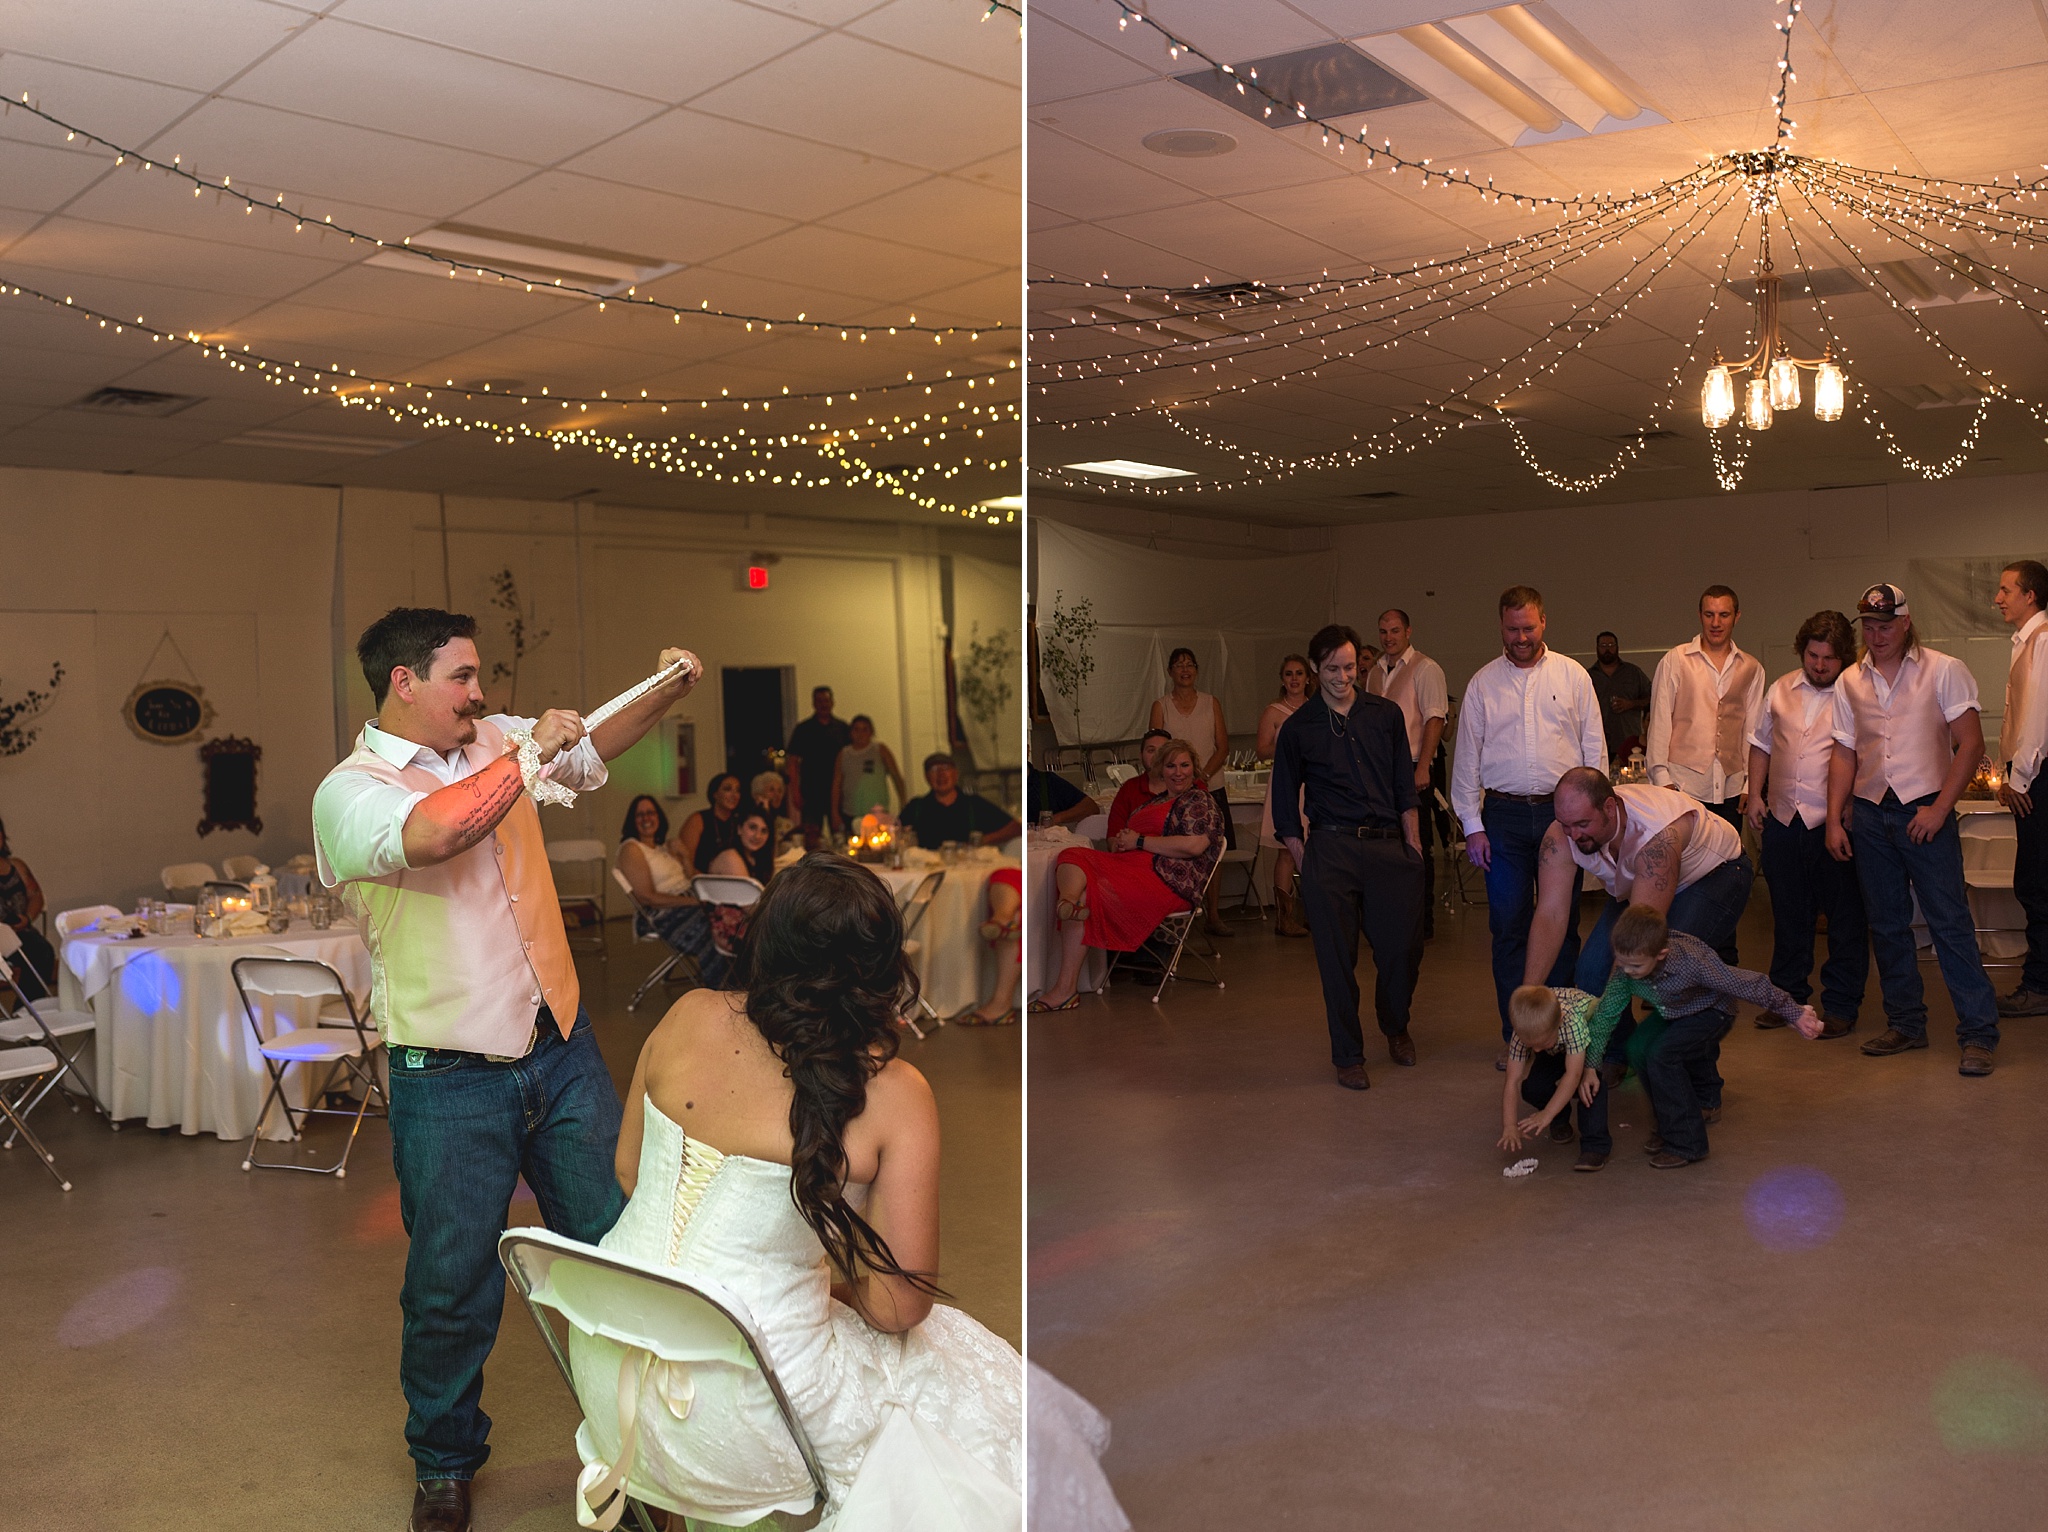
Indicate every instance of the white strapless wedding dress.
{"type": "Point", "coordinates": [918, 1432]}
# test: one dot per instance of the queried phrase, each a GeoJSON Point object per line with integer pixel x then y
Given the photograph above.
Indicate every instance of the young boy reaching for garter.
{"type": "Point", "coordinates": [1553, 1034]}
{"type": "Point", "coordinates": [1693, 993]}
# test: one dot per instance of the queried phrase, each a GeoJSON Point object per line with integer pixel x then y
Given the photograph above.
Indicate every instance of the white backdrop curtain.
{"type": "Point", "coordinates": [1240, 613]}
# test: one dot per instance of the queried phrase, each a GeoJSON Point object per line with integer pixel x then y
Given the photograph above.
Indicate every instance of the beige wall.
{"type": "Point", "coordinates": [265, 587]}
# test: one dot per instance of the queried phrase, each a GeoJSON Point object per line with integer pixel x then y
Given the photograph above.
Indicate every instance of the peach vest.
{"type": "Point", "coordinates": [1399, 688]}
{"type": "Point", "coordinates": [1650, 811]}
{"type": "Point", "coordinates": [1706, 727]}
{"type": "Point", "coordinates": [464, 953]}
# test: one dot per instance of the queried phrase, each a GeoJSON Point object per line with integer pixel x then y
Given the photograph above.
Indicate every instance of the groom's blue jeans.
{"type": "Point", "coordinates": [463, 1131]}
{"type": "Point", "coordinates": [1514, 832]}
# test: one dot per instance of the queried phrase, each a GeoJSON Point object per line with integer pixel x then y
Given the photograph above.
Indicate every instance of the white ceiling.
{"type": "Point", "coordinates": [1948, 90]}
{"type": "Point", "coordinates": [856, 160]}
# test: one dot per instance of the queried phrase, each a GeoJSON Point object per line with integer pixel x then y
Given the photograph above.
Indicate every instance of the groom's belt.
{"type": "Point", "coordinates": [1362, 832]}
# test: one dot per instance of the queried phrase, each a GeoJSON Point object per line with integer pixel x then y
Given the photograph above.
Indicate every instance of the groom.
{"type": "Point", "coordinates": [430, 833]}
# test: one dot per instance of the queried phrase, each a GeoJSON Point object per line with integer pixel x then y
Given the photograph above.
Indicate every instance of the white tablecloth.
{"type": "Point", "coordinates": [954, 965]}
{"type": "Point", "coordinates": [173, 1045]}
{"type": "Point", "coordinates": [1990, 845]}
{"type": "Point", "coordinates": [1041, 895]}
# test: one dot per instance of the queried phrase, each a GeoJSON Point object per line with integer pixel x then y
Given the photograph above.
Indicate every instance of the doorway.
{"type": "Point", "coordinates": [760, 710]}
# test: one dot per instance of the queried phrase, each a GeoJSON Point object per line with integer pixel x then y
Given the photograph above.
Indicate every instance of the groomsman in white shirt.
{"type": "Point", "coordinates": [2022, 742]}
{"type": "Point", "coordinates": [1787, 805]}
{"type": "Point", "coordinates": [1526, 719]}
{"type": "Point", "coordinates": [1908, 739]}
{"type": "Point", "coordinates": [1705, 703]}
{"type": "Point", "coordinates": [1404, 675]}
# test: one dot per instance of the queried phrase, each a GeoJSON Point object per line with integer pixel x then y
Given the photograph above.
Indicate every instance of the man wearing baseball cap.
{"type": "Point", "coordinates": [1907, 739]}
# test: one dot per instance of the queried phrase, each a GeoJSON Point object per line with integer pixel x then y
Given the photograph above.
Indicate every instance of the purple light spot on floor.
{"type": "Point", "coordinates": [114, 1308]}
{"type": "Point", "coordinates": [1793, 1208]}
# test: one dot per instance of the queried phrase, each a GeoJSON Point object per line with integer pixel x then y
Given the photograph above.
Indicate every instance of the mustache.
{"type": "Point", "coordinates": [472, 710]}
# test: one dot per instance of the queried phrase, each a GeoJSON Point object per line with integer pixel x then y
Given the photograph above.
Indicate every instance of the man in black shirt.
{"type": "Point", "coordinates": [1624, 691]}
{"type": "Point", "coordinates": [813, 752]}
{"type": "Point", "coordinates": [945, 813]}
{"type": "Point", "coordinates": [1363, 864]}
{"type": "Point", "coordinates": [1047, 792]}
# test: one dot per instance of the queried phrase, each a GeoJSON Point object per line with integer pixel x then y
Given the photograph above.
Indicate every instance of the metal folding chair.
{"type": "Point", "coordinates": [353, 1046]}
{"type": "Point", "coordinates": [586, 854]}
{"type": "Point", "coordinates": [644, 931]}
{"type": "Point", "coordinates": [1175, 928]}
{"type": "Point", "coordinates": [44, 1023]}
{"type": "Point", "coordinates": [913, 910]}
{"type": "Point", "coordinates": [27, 1070]}
{"type": "Point", "coordinates": [652, 1310]}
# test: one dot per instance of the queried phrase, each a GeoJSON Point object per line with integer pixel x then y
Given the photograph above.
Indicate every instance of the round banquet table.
{"type": "Point", "coordinates": [954, 965]}
{"type": "Point", "coordinates": [1041, 895]}
{"type": "Point", "coordinates": [173, 1045]}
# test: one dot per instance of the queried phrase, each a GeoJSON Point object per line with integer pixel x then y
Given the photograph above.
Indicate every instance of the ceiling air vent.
{"type": "Point", "coordinates": [1935, 396]}
{"type": "Point", "coordinates": [1382, 494]}
{"type": "Point", "coordinates": [549, 265]}
{"type": "Point", "coordinates": [1333, 80]}
{"type": "Point", "coordinates": [1830, 282]}
{"type": "Point", "coordinates": [1225, 295]}
{"type": "Point", "coordinates": [134, 401]}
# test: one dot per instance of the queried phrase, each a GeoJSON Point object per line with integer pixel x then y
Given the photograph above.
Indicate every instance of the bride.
{"type": "Point", "coordinates": [775, 1146]}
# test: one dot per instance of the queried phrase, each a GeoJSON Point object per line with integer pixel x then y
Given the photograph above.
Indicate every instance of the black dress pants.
{"type": "Point", "coordinates": [1375, 886]}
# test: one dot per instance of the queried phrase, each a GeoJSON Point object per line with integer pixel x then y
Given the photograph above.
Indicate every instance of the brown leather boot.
{"type": "Point", "coordinates": [1286, 914]}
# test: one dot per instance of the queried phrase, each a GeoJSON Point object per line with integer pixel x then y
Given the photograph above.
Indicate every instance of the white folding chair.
{"type": "Point", "coordinates": [44, 1022]}
{"type": "Point", "coordinates": [184, 880]}
{"type": "Point", "coordinates": [1246, 859]}
{"type": "Point", "coordinates": [72, 922]}
{"type": "Point", "coordinates": [913, 911]}
{"type": "Point", "coordinates": [591, 886]}
{"type": "Point", "coordinates": [654, 1312]}
{"type": "Point", "coordinates": [337, 1036]}
{"type": "Point", "coordinates": [240, 868]}
{"type": "Point", "coordinates": [1174, 930]}
{"type": "Point", "coordinates": [644, 931]}
{"type": "Point", "coordinates": [26, 1070]}
{"type": "Point", "coordinates": [722, 888]}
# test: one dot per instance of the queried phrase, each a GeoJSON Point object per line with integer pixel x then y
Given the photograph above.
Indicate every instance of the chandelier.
{"type": "Point", "coordinates": [1773, 382]}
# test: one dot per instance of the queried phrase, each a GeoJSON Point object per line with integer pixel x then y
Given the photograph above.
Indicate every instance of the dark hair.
{"type": "Point", "coordinates": [1640, 931]}
{"type": "Point", "coordinates": [629, 831]}
{"type": "Point", "coordinates": [711, 791]}
{"type": "Point", "coordinates": [1521, 595]}
{"type": "Point", "coordinates": [938, 758]}
{"type": "Point", "coordinates": [3, 840]}
{"type": "Point", "coordinates": [1590, 783]}
{"type": "Point", "coordinates": [1173, 659]}
{"type": "Point", "coordinates": [825, 978]}
{"type": "Point", "coordinates": [1720, 590]}
{"type": "Point", "coordinates": [860, 718]}
{"type": "Point", "coordinates": [1329, 639]}
{"type": "Point", "coordinates": [1154, 734]}
{"type": "Point", "coordinates": [1832, 629]}
{"type": "Point", "coordinates": [760, 864]}
{"type": "Point", "coordinates": [2033, 578]}
{"type": "Point", "coordinates": [1308, 675]}
{"type": "Point", "coordinates": [1398, 613]}
{"type": "Point", "coordinates": [816, 689]}
{"type": "Point", "coordinates": [1607, 633]}
{"type": "Point", "coordinates": [408, 636]}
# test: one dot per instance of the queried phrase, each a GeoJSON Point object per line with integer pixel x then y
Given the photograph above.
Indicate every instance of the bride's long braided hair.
{"type": "Point", "coordinates": [825, 978]}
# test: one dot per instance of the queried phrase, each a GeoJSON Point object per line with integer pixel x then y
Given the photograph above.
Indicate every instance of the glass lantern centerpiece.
{"type": "Point", "coordinates": [872, 839]}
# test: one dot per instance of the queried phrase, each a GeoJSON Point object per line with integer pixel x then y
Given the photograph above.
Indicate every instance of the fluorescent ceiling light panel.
{"type": "Point", "coordinates": [1507, 72]}
{"type": "Point", "coordinates": [314, 441]}
{"type": "Point", "coordinates": [1124, 468]}
{"type": "Point", "coordinates": [543, 262]}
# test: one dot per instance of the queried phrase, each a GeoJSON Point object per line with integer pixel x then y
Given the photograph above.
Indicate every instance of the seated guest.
{"type": "Point", "coordinates": [712, 828]}
{"type": "Point", "coordinates": [21, 902]}
{"type": "Point", "coordinates": [1004, 933]}
{"type": "Point", "coordinates": [752, 857]}
{"type": "Point", "coordinates": [661, 888]}
{"type": "Point", "coordinates": [945, 813]}
{"type": "Point", "coordinates": [862, 774]}
{"type": "Point", "coordinates": [1114, 899]}
{"type": "Point", "coordinates": [1047, 792]}
{"type": "Point", "coordinates": [771, 792]}
{"type": "Point", "coordinates": [1146, 785]}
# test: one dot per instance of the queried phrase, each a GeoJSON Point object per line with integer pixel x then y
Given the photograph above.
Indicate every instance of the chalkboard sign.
{"type": "Point", "coordinates": [230, 785]}
{"type": "Point", "coordinates": [168, 712]}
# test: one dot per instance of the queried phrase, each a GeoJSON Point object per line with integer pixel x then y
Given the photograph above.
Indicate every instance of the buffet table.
{"type": "Point", "coordinates": [173, 1045]}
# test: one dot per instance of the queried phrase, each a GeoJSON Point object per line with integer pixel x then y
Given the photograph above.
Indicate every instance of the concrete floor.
{"type": "Point", "coordinates": [187, 1346]}
{"type": "Point", "coordinates": [1305, 1307]}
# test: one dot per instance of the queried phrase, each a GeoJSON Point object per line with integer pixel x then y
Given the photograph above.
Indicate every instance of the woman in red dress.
{"type": "Point", "coordinates": [1115, 899]}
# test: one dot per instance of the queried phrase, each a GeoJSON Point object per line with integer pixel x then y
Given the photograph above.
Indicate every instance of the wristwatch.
{"type": "Point", "coordinates": [1141, 843]}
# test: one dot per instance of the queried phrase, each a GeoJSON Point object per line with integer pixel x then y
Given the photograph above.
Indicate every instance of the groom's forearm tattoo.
{"type": "Point", "coordinates": [491, 793]}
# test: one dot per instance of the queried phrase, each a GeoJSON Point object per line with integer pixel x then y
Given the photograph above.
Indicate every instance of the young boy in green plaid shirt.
{"type": "Point", "coordinates": [1554, 1032]}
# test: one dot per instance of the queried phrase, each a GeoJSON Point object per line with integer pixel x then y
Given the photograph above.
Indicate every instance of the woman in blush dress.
{"type": "Point", "coordinates": [775, 1146]}
{"type": "Point", "coordinates": [1293, 692]}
